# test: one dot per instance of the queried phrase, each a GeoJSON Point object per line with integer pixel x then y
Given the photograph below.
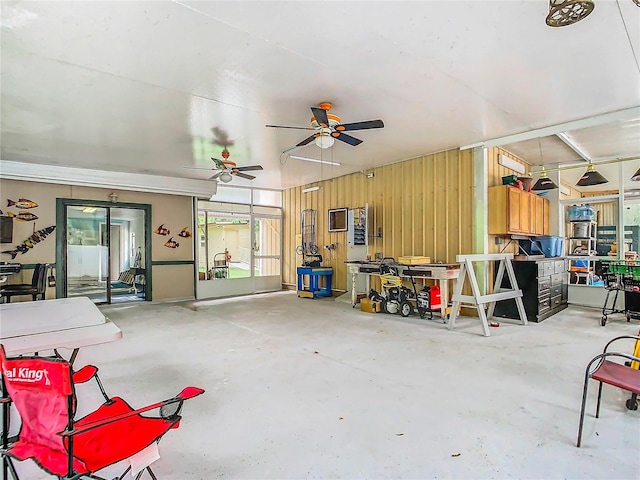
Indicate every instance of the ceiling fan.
{"type": "Point", "coordinates": [328, 127]}
{"type": "Point", "coordinates": [228, 168]}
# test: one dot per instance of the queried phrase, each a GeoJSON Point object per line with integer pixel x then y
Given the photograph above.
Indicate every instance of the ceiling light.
{"type": "Point", "coordinates": [591, 177]}
{"type": "Point", "coordinates": [324, 140]}
{"type": "Point", "coordinates": [308, 159]}
{"type": "Point", "coordinates": [544, 182]}
{"type": "Point", "coordinates": [636, 176]}
{"type": "Point", "coordinates": [568, 12]}
{"type": "Point", "coordinates": [225, 177]}
{"type": "Point", "coordinates": [89, 209]}
{"type": "Point", "coordinates": [310, 189]}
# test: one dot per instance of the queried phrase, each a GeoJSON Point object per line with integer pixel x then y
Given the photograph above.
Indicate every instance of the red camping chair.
{"type": "Point", "coordinates": [42, 390]}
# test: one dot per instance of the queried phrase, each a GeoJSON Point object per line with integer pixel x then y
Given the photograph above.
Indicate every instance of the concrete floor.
{"type": "Point", "coordinates": [300, 388]}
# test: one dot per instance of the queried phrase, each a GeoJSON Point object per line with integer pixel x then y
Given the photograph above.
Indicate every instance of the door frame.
{"type": "Point", "coordinates": [61, 239]}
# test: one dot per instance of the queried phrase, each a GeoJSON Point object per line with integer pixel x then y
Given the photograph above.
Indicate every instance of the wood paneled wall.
{"type": "Point", "coordinates": [422, 206]}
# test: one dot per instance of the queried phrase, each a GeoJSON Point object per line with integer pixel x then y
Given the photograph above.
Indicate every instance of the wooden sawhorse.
{"type": "Point", "coordinates": [480, 300]}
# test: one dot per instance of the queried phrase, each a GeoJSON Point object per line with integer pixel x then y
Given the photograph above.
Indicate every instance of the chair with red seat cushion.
{"type": "Point", "coordinates": [603, 369]}
{"type": "Point", "coordinates": [42, 390]}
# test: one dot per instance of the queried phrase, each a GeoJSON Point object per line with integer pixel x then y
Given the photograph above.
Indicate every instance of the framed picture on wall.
{"type": "Point", "coordinates": [337, 220]}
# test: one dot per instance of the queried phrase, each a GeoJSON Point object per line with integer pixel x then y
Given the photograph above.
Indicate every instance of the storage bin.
{"type": "Point", "coordinates": [551, 245]}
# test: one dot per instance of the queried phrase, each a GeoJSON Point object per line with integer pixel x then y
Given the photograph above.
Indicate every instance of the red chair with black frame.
{"type": "Point", "coordinates": [622, 375]}
{"type": "Point", "coordinates": [42, 390]}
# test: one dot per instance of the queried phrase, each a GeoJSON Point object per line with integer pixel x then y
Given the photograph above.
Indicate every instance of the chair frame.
{"type": "Point", "coordinates": [37, 287]}
{"type": "Point", "coordinates": [600, 360]}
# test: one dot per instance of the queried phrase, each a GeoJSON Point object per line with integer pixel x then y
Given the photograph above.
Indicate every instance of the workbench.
{"type": "Point", "coordinates": [314, 274]}
{"type": "Point", "coordinates": [441, 272]}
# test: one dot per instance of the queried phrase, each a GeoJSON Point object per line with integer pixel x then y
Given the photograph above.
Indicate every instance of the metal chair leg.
{"type": "Point", "coordinates": [599, 397]}
{"type": "Point", "coordinates": [584, 404]}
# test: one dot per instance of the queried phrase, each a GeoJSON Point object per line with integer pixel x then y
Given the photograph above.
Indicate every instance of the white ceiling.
{"type": "Point", "coordinates": [137, 86]}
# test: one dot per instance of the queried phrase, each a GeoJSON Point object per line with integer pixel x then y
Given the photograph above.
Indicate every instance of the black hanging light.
{"type": "Point", "coordinates": [568, 12]}
{"type": "Point", "coordinates": [591, 177]}
{"type": "Point", "coordinates": [636, 176]}
{"type": "Point", "coordinates": [544, 182]}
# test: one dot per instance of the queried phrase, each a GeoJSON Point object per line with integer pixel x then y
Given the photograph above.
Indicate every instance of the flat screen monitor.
{"type": "Point", "coordinates": [6, 229]}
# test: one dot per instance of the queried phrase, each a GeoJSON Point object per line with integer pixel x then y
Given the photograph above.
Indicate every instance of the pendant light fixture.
{"type": "Point", "coordinates": [591, 177]}
{"type": "Point", "coordinates": [636, 176]}
{"type": "Point", "coordinates": [544, 182]}
{"type": "Point", "coordinates": [568, 12]}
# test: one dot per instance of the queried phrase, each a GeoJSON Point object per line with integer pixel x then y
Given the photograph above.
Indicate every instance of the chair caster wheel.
{"type": "Point", "coordinates": [603, 322]}
{"type": "Point", "coordinates": [632, 404]}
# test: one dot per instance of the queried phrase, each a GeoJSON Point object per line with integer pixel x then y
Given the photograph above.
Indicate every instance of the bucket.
{"type": "Point", "coordinates": [581, 230]}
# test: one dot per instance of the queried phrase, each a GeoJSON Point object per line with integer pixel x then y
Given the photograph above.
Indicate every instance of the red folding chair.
{"type": "Point", "coordinates": [42, 390]}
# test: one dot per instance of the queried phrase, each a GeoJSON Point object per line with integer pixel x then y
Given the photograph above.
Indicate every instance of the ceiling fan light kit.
{"type": "Point", "coordinates": [568, 12]}
{"type": "Point", "coordinates": [591, 177]}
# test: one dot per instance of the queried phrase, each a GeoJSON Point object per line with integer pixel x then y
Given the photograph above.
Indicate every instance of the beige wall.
{"type": "Point", "coordinates": [422, 206]}
{"type": "Point", "coordinates": [169, 281]}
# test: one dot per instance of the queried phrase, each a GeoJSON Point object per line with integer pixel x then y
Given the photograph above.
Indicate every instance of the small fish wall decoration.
{"type": "Point", "coordinates": [23, 216]}
{"type": "Point", "coordinates": [185, 233]}
{"type": "Point", "coordinates": [171, 243]}
{"type": "Point", "coordinates": [30, 242]}
{"type": "Point", "coordinates": [22, 203]}
{"type": "Point", "coordinates": [161, 230]}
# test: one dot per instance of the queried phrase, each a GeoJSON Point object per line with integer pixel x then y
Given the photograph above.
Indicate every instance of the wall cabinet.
{"type": "Point", "coordinates": [514, 211]}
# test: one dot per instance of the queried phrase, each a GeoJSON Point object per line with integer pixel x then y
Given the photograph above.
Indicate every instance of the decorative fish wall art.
{"type": "Point", "coordinates": [185, 233]}
{"type": "Point", "coordinates": [22, 203]}
{"type": "Point", "coordinates": [161, 230]}
{"type": "Point", "coordinates": [171, 243]}
{"type": "Point", "coordinates": [30, 242]}
{"type": "Point", "coordinates": [23, 216]}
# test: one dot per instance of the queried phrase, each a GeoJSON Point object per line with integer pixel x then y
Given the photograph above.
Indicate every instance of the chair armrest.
{"type": "Point", "coordinates": [85, 374]}
{"type": "Point", "coordinates": [190, 393]}
{"type": "Point", "coordinates": [632, 337]}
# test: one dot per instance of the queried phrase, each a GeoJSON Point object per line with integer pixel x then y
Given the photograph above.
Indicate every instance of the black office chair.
{"type": "Point", "coordinates": [37, 287]}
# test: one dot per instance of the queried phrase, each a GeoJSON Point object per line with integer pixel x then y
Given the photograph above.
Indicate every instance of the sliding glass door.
{"type": "Point", "coordinates": [105, 253]}
{"type": "Point", "coordinates": [239, 249]}
{"type": "Point", "coordinates": [87, 253]}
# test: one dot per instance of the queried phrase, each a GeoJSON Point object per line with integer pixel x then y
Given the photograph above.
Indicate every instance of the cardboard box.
{"type": "Point", "coordinates": [369, 306]}
{"type": "Point", "coordinates": [414, 260]}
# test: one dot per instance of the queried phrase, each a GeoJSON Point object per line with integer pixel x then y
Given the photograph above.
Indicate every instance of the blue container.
{"type": "Point", "coordinates": [581, 213]}
{"type": "Point", "coordinates": [552, 246]}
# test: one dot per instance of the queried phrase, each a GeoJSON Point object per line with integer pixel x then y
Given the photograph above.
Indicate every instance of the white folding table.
{"type": "Point", "coordinates": [72, 323]}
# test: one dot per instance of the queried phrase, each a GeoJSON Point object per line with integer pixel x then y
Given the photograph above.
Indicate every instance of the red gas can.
{"type": "Point", "coordinates": [434, 296]}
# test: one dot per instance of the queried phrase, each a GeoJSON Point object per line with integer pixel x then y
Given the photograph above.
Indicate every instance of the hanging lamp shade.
{"type": "Point", "coordinates": [636, 176]}
{"type": "Point", "coordinates": [568, 12]}
{"type": "Point", "coordinates": [591, 177]}
{"type": "Point", "coordinates": [544, 182]}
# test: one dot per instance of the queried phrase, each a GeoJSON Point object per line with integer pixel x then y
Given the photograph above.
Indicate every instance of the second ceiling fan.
{"type": "Point", "coordinates": [328, 127]}
{"type": "Point", "coordinates": [228, 168]}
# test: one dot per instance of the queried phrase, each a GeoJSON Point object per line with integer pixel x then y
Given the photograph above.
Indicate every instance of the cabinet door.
{"type": "Point", "coordinates": [538, 215]}
{"type": "Point", "coordinates": [514, 205]}
{"type": "Point", "coordinates": [545, 216]}
{"type": "Point", "coordinates": [525, 213]}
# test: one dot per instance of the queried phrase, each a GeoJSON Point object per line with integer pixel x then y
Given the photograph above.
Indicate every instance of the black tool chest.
{"type": "Point", "coordinates": [544, 285]}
